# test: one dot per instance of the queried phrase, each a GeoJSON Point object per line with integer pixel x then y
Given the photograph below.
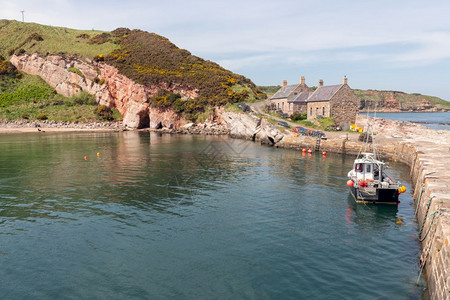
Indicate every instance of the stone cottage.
{"type": "Point", "coordinates": [280, 100]}
{"type": "Point", "coordinates": [335, 101]}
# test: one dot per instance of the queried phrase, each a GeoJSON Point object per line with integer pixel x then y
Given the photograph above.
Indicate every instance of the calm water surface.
{"type": "Point", "coordinates": [434, 120]}
{"type": "Point", "coordinates": [193, 217]}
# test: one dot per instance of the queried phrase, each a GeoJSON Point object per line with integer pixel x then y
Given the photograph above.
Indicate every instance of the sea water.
{"type": "Point", "coordinates": [433, 120]}
{"type": "Point", "coordinates": [148, 216]}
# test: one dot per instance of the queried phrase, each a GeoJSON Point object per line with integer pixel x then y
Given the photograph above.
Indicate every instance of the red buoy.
{"type": "Point", "coordinates": [350, 182]}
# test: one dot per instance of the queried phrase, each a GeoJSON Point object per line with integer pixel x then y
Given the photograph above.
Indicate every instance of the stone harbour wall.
{"type": "Point", "coordinates": [427, 152]}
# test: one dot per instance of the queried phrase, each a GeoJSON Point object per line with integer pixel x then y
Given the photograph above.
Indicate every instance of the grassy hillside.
{"type": "Point", "coordinates": [145, 57]}
{"type": "Point", "coordinates": [30, 37]}
{"type": "Point", "coordinates": [30, 98]}
{"type": "Point", "coordinates": [149, 59]}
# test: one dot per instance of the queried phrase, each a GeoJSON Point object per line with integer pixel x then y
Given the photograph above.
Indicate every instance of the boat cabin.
{"type": "Point", "coordinates": [368, 168]}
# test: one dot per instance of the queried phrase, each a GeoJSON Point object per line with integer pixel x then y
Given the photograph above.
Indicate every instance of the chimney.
{"type": "Point", "coordinates": [321, 83]}
{"type": "Point", "coordinates": [345, 80]}
{"type": "Point", "coordinates": [302, 80]}
{"type": "Point", "coordinates": [284, 82]}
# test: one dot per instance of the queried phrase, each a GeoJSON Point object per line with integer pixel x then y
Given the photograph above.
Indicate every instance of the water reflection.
{"type": "Point", "coordinates": [382, 216]}
{"type": "Point", "coordinates": [161, 216]}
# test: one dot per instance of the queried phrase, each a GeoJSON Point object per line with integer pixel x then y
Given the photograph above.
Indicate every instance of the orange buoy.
{"type": "Point", "coordinates": [304, 150]}
{"type": "Point", "coordinates": [324, 153]}
{"type": "Point", "coordinates": [350, 182]}
{"type": "Point", "coordinates": [85, 158]}
{"type": "Point", "coordinates": [98, 153]}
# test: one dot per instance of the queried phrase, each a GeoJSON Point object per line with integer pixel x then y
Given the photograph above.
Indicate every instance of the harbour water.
{"type": "Point", "coordinates": [434, 120]}
{"type": "Point", "coordinates": [194, 217]}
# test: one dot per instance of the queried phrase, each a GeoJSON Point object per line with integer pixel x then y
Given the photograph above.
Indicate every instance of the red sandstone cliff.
{"type": "Point", "coordinates": [69, 76]}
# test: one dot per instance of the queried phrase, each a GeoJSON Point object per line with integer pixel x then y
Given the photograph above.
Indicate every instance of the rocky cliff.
{"type": "Point", "coordinates": [394, 101]}
{"type": "Point", "coordinates": [69, 76]}
{"type": "Point", "coordinates": [249, 126]}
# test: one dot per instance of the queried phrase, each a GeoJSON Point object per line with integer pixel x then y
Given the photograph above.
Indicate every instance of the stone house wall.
{"type": "Point", "coordinates": [318, 109]}
{"type": "Point", "coordinates": [344, 105]}
{"type": "Point", "coordinates": [281, 104]}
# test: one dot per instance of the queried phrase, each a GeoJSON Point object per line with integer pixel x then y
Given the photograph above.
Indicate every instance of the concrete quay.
{"type": "Point", "coordinates": [427, 152]}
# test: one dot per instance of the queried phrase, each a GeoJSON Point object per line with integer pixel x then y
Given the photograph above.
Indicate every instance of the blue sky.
{"type": "Point", "coordinates": [390, 45]}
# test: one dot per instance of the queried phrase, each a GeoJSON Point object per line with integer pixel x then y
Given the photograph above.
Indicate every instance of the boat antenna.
{"type": "Point", "coordinates": [364, 147]}
{"type": "Point", "coordinates": [374, 148]}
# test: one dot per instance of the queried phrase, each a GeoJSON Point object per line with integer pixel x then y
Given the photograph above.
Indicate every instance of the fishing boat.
{"type": "Point", "coordinates": [368, 180]}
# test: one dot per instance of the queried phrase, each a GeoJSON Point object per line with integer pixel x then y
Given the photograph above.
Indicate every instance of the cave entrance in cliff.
{"type": "Point", "coordinates": [144, 120]}
{"type": "Point", "coordinates": [159, 126]}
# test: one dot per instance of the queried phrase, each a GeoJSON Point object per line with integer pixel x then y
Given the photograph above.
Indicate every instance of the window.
{"type": "Point", "coordinates": [310, 111]}
{"type": "Point", "coordinates": [317, 111]}
{"type": "Point", "coordinates": [278, 106]}
{"type": "Point", "coordinates": [368, 168]}
{"type": "Point", "coordinates": [323, 111]}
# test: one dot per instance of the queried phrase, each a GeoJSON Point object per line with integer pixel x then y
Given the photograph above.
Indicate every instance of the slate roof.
{"type": "Point", "coordinates": [324, 93]}
{"type": "Point", "coordinates": [285, 91]}
{"type": "Point", "coordinates": [302, 97]}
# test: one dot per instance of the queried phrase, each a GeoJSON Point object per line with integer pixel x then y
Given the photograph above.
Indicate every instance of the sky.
{"type": "Point", "coordinates": [401, 45]}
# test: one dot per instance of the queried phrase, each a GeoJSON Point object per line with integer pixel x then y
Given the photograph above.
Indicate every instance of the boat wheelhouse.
{"type": "Point", "coordinates": [370, 184]}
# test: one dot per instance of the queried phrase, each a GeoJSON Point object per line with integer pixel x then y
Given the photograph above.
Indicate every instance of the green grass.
{"type": "Point", "coordinates": [30, 96]}
{"type": "Point", "coordinates": [438, 101]}
{"type": "Point", "coordinates": [232, 107]}
{"type": "Point", "coordinates": [325, 122]}
{"type": "Point", "coordinates": [56, 40]}
{"type": "Point", "coordinates": [76, 71]}
{"type": "Point", "coordinates": [306, 123]}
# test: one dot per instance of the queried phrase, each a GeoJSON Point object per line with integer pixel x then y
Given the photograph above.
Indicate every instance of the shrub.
{"type": "Point", "coordinates": [99, 81]}
{"type": "Point", "coordinates": [165, 99]}
{"type": "Point", "coordinates": [84, 98]}
{"type": "Point", "coordinates": [121, 31]}
{"type": "Point", "coordinates": [104, 112]}
{"type": "Point", "coordinates": [83, 36]}
{"type": "Point", "coordinates": [41, 116]}
{"type": "Point", "coordinates": [99, 57]}
{"type": "Point", "coordinates": [34, 36]}
{"type": "Point", "coordinates": [297, 116]}
{"type": "Point", "coordinates": [100, 39]}
{"type": "Point", "coordinates": [25, 116]}
{"type": "Point", "coordinates": [7, 68]}
{"type": "Point", "coordinates": [21, 51]}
